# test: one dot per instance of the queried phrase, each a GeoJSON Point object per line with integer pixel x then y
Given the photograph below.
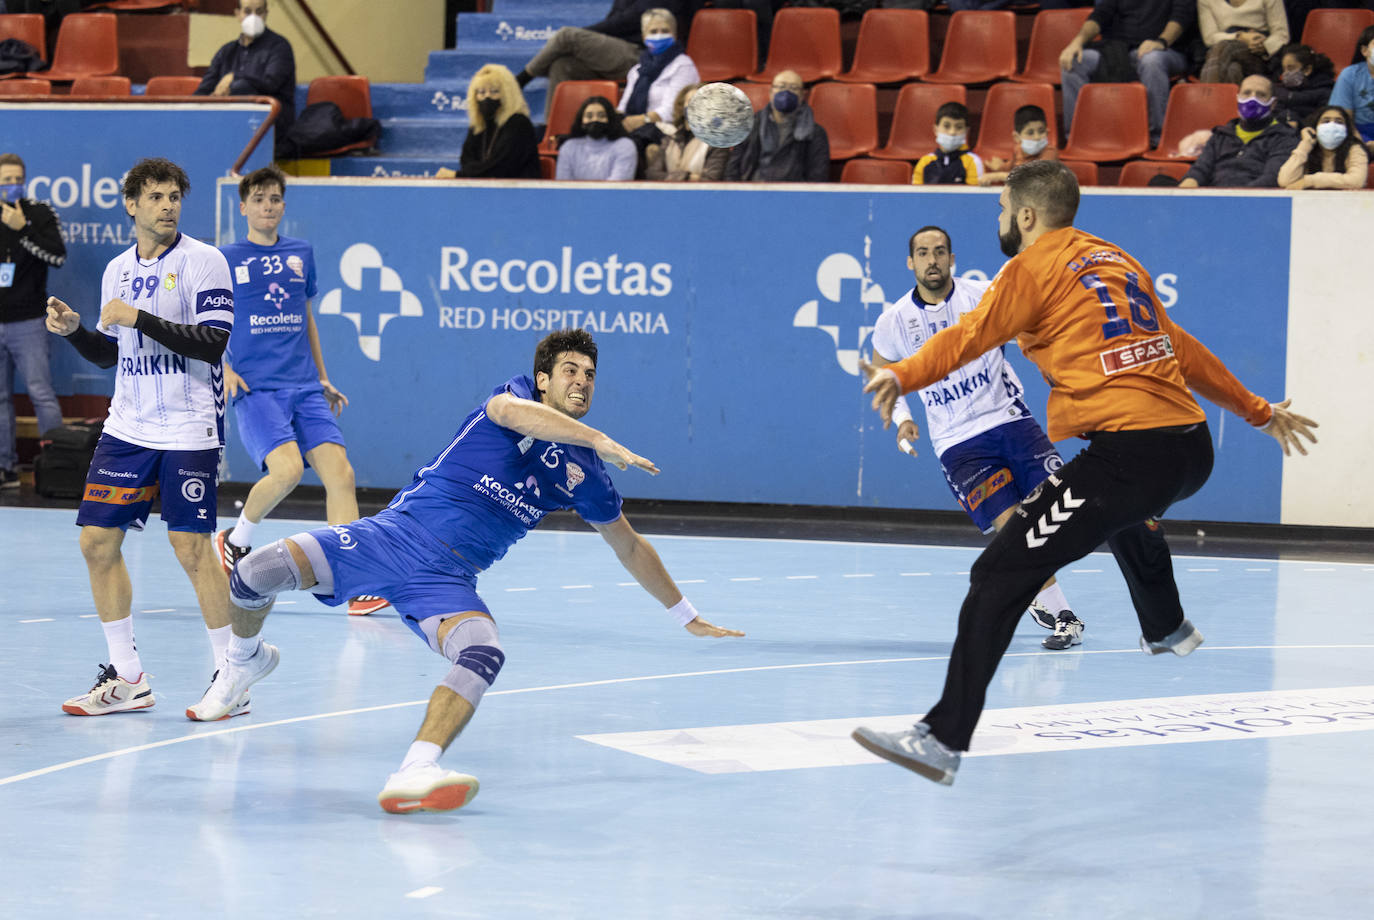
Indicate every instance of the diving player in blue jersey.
{"type": "Point", "coordinates": [284, 404]}
{"type": "Point", "coordinates": [518, 456]}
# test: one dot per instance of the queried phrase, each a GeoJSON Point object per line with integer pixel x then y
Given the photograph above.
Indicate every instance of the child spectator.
{"type": "Point", "coordinates": [1030, 138]}
{"type": "Point", "coordinates": [952, 163]}
{"type": "Point", "coordinates": [1329, 155]}
{"type": "Point", "coordinates": [1303, 83]}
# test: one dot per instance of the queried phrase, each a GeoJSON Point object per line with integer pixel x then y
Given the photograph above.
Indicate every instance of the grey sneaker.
{"type": "Point", "coordinates": [1041, 615]}
{"type": "Point", "coordinates": [229, 688]}
{"type": "Point", "coordinates": [1181, 641]}
{"type": "Point", "coordinates": [917, 750]}
{"type": "Point", "coordinates": [1068, 632]}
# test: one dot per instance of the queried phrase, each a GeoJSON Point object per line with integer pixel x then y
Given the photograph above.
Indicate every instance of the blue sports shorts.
{"type": "Point", "coordinates": [267, 419]}
{"type": "Point", "coordinates": [125, 478]}
{"type": "Point", "coordinates": [993, 471]}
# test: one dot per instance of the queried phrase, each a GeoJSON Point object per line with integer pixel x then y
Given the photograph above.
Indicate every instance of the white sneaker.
{"type": "Point", "coordinates": [111, 693]}
{"type": "Point", "coordinates": [241, 708]}
{"type": "Point", "coordinates": [427, 787]}
{"type": "Point", "coordinates": [229, 688]}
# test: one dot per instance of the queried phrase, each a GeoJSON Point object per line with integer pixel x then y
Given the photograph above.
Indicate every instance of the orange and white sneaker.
{"type": "Point", "coordinates": [229, 553]}
{"type": "Point", "coordinates": [427, 787]}
{"type": "Point", "coordinates": [111, 693]}
{"type": "Point", "coordinates": [364, 604]}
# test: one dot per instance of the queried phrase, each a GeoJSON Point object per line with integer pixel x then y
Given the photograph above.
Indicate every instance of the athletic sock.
{"type": "Point", "coordinates": [421, 752]}
{"type": "Point", "coordinates": [219, 641]}
{"type": "Point", "coordinates": [241, 650]}
{"type": "Point", "coordinates": [119, 637]}
{"type": "Point", "coordinates": [1052, 597]}
{"type": "Point", "coordinates": [242, 534]}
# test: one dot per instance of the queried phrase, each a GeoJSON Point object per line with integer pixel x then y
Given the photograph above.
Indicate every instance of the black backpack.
{"type": "Point", "coordinates": [322, 126]}
{"type": "Point", "coordinates": [18, 56]}
{"type": "Point", "coordinates": [60, 470]}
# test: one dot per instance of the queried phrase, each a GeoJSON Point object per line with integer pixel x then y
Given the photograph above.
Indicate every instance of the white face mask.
{"type": "Point", "coordinates": [949, 142]}
{"type": "Point", "coordinates": [1032, 147]}
{"type": "Point", "coordinates": [253, 25]}
{"type": "Point", "coordinates": [1330, 134]}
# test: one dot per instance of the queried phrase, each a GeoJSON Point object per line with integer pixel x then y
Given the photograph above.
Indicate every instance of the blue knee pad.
{"type": "Point", "coordinates": [474, 647]}
{"type": "Point", "coordinates": [262, 575]}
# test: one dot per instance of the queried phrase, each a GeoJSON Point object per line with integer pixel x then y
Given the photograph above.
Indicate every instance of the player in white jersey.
{"type": "Point", "coordinates": [168, 311]}
{"type": "Point", "coordinates": [992, 450]}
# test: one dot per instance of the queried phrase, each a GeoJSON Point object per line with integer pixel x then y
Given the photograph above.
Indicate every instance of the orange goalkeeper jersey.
{"type": "Point", "coordinates": [1085, 312]}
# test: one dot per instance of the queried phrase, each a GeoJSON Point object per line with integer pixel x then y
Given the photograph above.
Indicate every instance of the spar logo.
{"type": "Point", "coordinates": [373, 296]}
{"type": "Point", "coordinates": [849, 306]}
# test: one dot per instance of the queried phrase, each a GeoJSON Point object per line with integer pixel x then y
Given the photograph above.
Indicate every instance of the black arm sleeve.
{"type": "Point", "coordinates": [94, 347]}
{"type": "Point", "coordinates": [203, 343]}
{"type": "Point", "coordinates": [42, 236]}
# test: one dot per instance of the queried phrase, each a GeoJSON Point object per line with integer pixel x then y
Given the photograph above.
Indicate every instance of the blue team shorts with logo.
{"type": "Point", "coordinates": [390, 556]}
{"type": "Point", "coordinates": [125, 478]}
{"type": "Point", "coordinates": [993, 471]}
{"type": "Point", "coordinates": [267, 419]}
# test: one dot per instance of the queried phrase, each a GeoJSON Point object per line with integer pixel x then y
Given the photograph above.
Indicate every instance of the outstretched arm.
{"type": "Point", "coordinates": [641, 560]}
{"type": "Point", "coordinates": [539, 421]}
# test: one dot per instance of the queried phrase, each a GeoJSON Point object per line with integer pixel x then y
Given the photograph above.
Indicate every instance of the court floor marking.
{"type": "Point", "coordinates": [168, 742]}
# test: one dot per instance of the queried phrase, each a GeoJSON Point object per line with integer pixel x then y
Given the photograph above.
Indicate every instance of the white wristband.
{"type": "Point", "coordinates": [683, 612]}
{"type": "Point", "coordinates": [901, 412]}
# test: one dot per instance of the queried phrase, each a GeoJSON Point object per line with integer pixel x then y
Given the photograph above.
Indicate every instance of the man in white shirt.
{"type": "Point", "coordinates": [168, 311]}
{"type": "Point", "coordinates": [993, 451]}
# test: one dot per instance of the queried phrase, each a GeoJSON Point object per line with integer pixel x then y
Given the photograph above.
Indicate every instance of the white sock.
{"type": "Point", "coordinates": [219, 641]}
{"type": "Point", "coordinates": [241, 650]}
{"type": "Point", "coordinates": [119, 637]}
{"type": "Point", "coordinates": [1053, 598]}
{"type": "Point", "coordinates": [242, 534]}
{"type": "Point", "coordinates": [422, 752]}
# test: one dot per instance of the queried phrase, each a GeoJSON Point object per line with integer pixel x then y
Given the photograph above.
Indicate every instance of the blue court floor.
{"type": "Point", "coordinates": [631, 771]}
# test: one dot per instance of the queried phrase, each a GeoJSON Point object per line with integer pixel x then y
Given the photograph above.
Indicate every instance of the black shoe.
{"type": "Point", "coordinates": [9, 479]}
{"type": "Point", "coordinates": [1068, 632]}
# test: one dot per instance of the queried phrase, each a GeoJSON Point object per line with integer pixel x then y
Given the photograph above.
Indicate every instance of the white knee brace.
{"type": "Point", "coordinates": [474, 647]}
{"type": "Point", "coordinates": [262, 575]}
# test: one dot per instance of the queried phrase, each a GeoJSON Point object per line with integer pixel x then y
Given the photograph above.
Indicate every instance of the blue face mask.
{"type": "Point", "coordinates": [785, 101]}
{"type": "Point", "coordinates": [658, 44]}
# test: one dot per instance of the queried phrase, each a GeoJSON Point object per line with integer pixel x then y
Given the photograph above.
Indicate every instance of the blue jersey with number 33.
{"type": "Point", "coordinates": [269, 347]}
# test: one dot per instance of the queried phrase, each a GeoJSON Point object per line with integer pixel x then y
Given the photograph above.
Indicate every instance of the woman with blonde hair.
{"type": "Point", "coordinates": [500, 142]}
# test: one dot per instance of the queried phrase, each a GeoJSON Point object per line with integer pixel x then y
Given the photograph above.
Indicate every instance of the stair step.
{"type": "Point", "coordinates": [459, 66]}
{"type": "Point", "coordinates": [586, 11]}
{"type": "Point", "coordinates": [380, 167]}
{"type": "Point", "coordinates": [440, 137]}
{"type": "Point", "coordinates": [526, 33]}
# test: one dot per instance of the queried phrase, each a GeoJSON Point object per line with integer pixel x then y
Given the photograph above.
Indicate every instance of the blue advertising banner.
{"type": "Point", "coordinates": [730, 322]}
{"type": "Point", "coordinates": [77, 155]}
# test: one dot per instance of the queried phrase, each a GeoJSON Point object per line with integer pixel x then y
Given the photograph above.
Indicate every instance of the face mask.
{"type": "Point", "coordinates": [658, 44]}
{"type": "Point", "coordinates": [1330, 134]}
{"type": "Point", "coordinates": [597, 130]}
{"type": "Point", "coordinates": [12, 192]}
{"type": "Point", "coordinates": [786, 101]}
{"type": "Point", "coordinates": [488, 108]}
{"type": "Point", "coordinates": [1033, 147]}
{"type": "Point", "coordinates": [1254, 110]}
{"type": "Point", "coordinates": [253, 25]}
{"type": "Point", "coordinates": [1293, 78]}
{"type": "Point", "coordinates": [950, 142]}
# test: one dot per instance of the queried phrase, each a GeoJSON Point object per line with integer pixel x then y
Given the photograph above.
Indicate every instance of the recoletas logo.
{"type": "Point", "coordinates": [371, 289]}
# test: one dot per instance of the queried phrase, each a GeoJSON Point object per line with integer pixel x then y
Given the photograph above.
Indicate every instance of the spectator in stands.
{"type": "Point", "coordinates": [1329, 155]}
{"type": "Point", "coordinates": [597, 149]}
{"type": "Point", "coordinates": [952, 163]}
{"type": "Point", "coordinates": [653, 84]}
{"type": "Point", "coordinates": [1138, 42]}
{"type": "Point", "coordinates": [1241, 37]}
{"type": "Point", "coordinates": [957, 5]}
{"type": "Point", "coordinates": [1305, 80]}
{"type": "Point", "coordinates": [1354, 89]}
{"type": "Point", "coordinates": [31, 240]}
{"type": "Point", "coordinates": [682, 157]}
{"type": "Point", "coordinates": [1030, 138]}
{"type": "Point", "coordinates": [602, 51]}
{"type": "Point", "coordinates": [1248, 151]}
{"type": "Point", "coordinates": [257, 63]}
{"type": "Point", "coordinates": [500, 142]}
{"type": "Point", "coordinates": [785, 144]}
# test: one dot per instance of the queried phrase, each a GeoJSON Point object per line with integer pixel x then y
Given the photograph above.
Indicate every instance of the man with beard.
{"type": "Point", "coordinates": [992, 450]}
{"type": "Point", "coordinates": [1120, 371]}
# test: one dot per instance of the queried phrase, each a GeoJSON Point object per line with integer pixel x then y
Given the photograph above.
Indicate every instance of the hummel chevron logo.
{"type": "Point", "coordinates": [1051, 520]}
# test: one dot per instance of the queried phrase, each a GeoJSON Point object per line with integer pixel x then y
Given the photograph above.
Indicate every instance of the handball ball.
{"type": "Point", "coordinates": [720, 114]}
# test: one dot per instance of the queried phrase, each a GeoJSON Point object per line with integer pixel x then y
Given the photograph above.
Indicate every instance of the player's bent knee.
{"type": "Point", "coordinates": [262, 575]}
{"type": "Point", "coordinates": [474, 647]}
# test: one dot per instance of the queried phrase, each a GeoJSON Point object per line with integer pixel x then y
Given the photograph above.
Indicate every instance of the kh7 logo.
{"type": "Point", "coordinates": [375, 289]}
{"type": "Point", "coordinates": [852, 304]}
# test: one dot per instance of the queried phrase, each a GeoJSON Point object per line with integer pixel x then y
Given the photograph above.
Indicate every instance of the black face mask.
{"type": "Point", "coordinates": [596, 130]}
{"type": "Point", "coordinates": [488, 108]}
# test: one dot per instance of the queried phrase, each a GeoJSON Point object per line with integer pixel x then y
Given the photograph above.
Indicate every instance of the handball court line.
{"type": "Point", "coordinates": [110, 755]}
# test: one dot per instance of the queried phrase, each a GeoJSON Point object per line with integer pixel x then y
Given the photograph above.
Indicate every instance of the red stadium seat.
{"type": "Point", "coordinates": [912, 134]}
{"type": "Point", "coordinates": [1138, 173]}
{"type": "Point", "coordinates": [25, 87]}
{"type": "Point", "coordinates": [568, 97]}
{"type": "Point", "coordinates": [999, 112]}
{"type": "Point", "coordinates": [1193, 107]}
{"type": "Point", "coordinates": [893, 47]}
{"type": "Point", "coordinates": [548, 167]}
{"type": "Point", "coordinates": [1110, 122]}
{"type": "Point", "coordinates": [171, 86]}
{"type": "Point", "coordinates": [27, 27]}
{"type": "Point", "coordinates": [980, 47]}
{"type": "Point", "coordinates": [724, 44]}
{"type": "Point", "coordinates": [758, 93]}
{"type": "Point", "coordinates": [1051, 31]}
{"type": "Point", "coordinates": [849, 114]}
{"type": "Point", "coordinates": [1335, 32]}
{"type": "Point", "coordinates": [863, 171]}
{"type": "Point", "coordinates": [352, 94]}
{"type": "Point", "coordinates": [1085, 171]}
{"type": "Point", "coordinates": [806, 40]}
{"type": "Point", "coordinates": [101, 86]}
{"type": "Point", "coordinates": [87, 46]}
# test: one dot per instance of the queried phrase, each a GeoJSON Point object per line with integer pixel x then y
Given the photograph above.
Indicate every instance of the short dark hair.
{"type": "Point", "coordinates": [911, 243]}
{"type": "Point", "coordinates": [555, 343]}
{"type": "Point", "coordinates": [153, 171]}
{"type": "Point", "coordinates": [955, 110]}
{"type": "Point", "coordinates": [13, 159]}
{"type": "Point", "coordinates": [614, 128]}
{"type": "Point", "coordinates": [268, 175]}
{"type": "Point", "coordinates": [1048, 186]}
{"type": "Point", "coordinates": [1027, 114]}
